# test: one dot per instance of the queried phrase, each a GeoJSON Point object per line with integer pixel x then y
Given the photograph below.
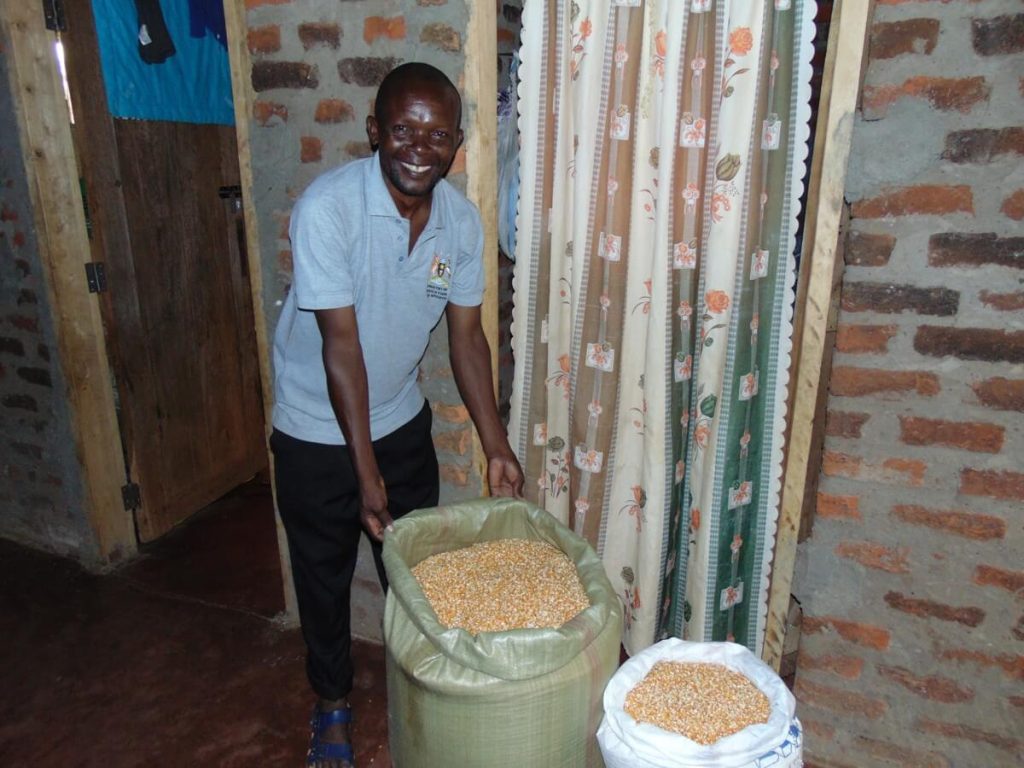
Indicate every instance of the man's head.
{"type": "Point", "coordinates": [415, 129]}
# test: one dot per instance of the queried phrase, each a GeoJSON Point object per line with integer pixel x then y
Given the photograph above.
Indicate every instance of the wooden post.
{"type": "Point", "coordinates": [44, 128]}
{"type": "Point", "coordinates": [481, 91]}
{"type": "Point", "coordinates": [841, 83]}
{"type": "Point", "coordinates": [241, 87]}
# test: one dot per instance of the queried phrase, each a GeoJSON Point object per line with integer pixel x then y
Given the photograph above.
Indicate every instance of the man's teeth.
{"type": "Point", "coordinates": [416, 168]}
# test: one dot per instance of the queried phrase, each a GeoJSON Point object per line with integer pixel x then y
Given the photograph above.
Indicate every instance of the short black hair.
{"type": "Point", "coordinates": [420, 73]}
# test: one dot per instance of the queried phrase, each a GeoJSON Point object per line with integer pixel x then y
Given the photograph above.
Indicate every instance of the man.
{"type": "Point", "coordinates": [382, 248]}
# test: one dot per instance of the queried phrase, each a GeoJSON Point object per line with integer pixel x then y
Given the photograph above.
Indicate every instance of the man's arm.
{"type": "Point", "coordinates": [471, 364]}
{"type": "Point", "coordinates": [349, 393]}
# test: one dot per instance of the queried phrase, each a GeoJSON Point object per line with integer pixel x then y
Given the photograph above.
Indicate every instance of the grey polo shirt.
{"type": "Point", "coordinates": [350, 247]}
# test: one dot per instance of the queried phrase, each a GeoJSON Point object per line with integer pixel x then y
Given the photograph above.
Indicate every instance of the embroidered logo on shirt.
{"type": "Point", "coordinates": [440, 277]}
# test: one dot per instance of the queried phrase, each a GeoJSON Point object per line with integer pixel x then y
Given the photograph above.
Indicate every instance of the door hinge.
{"type": "Point", "coordinates": [53, 12]}
{"type": "Point", "coordinates": [132, 496]}
{"type": "Point", "coordinates": [96, 276]}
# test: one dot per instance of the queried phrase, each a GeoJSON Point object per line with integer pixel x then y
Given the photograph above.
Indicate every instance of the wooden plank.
{"type": "Point", "coordinates": [50, 164]}
{"type": "Point", "coordinates": [96, 150]}
{"type": "Point", "coordinates": [241, 85]}
{"type": "Point", "coordinates": [847, 42]}
{"type": "Point", "coordinates": [481, 92]}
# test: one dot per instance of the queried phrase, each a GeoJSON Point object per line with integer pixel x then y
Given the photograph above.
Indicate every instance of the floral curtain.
{"type": "Point", "coordinates": [663, 148]}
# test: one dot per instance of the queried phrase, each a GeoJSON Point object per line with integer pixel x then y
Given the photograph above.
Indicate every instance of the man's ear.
{"type": "Point", "coordinates": [371, 132]}
{"type": "Point", "coordinates": [461, 136]}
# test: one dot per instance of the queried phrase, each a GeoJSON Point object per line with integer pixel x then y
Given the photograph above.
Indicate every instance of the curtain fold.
{"type": "Point", "coordinates": [661, 165]}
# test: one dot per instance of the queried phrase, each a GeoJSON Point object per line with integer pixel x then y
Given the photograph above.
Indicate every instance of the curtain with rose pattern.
{"type": "Point", "coordinates": [663, 148]}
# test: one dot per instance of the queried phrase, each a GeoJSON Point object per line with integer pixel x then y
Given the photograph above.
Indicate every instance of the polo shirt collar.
{"type": "Point", "coordinates": [380, 203]}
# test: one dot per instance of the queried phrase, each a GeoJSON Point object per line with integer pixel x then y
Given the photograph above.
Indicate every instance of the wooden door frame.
{"type": "Point", "coordinates": [480, 92]}
{"type": "Point", "coordinates": [841, 83]}
{"type": "Point", "coordinates": [44, 128]}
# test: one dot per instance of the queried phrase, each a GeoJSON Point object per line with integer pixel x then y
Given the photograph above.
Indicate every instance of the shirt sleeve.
{"type": "Point", "coordinates": [321, 255]}
{"type": "Point", "coordinates": [467, 288]}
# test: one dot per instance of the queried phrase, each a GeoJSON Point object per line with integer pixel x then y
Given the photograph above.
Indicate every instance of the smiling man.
{"type": "Point", "coordinates": [382, 248]}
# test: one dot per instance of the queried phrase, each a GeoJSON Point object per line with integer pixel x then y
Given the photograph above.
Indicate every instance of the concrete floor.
{"type": "Point", "coordinates": [176, 659]}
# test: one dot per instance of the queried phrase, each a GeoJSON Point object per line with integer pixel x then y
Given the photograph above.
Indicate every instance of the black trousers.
{"type": "Point", "coordinates": [318, 498]}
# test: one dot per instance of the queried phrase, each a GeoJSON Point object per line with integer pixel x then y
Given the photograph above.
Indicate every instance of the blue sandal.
{"type": "Point", "coordinates": [322, 750]}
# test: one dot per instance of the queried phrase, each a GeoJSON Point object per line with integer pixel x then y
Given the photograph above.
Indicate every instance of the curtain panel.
{"type": "Point", "coordinates": [663, 151]}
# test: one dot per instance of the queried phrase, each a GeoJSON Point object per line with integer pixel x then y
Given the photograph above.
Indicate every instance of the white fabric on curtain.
{"type": "Point", "coordinates": [663, 148]}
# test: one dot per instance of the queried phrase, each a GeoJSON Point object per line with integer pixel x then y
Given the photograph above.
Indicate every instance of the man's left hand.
{"type": "Point", "coordinates": [505, 476]}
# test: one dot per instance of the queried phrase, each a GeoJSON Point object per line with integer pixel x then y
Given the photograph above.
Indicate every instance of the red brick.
{"type": "Point", "coordinates": [864, 339]}
{"type": "Point", "coordinates": [365, 71]}
{"type": "Point", "coordinates": [890, 298]}
{"type": "Point", "coordinates": [7, 214]}
{"type": "Point", "coordinates": [870, 554]}
{"type": "Point", "coordinates": [970, 249]}
{"type": "Point", "coordinates": [930, 609]}
{"type": "Point", "coordinates": [849, 381]}
{"type": "Point", "coordinates": [458, 162]}
{"type": "Point", "coordinates": [968, 733]}
{"type": "Point", "coordinates": [974, 436]}
{"type": "Point", "coordinates": [942, 93]}
{"type": "Point", "coordinates": [845, 424]}
{"type": "Point", "coordinates": [993, 483]}
{"type": "Point", "coordinates": [507, 36]}
{"type": "Point", "coordinates": [988, 344]}
{"type": "Point", "coordinates": [934, 687]}
{"type": "Point", "coordinates": [312, 149]}
{"type": "Point", "coordinates": [925, 199]}
{"type": "Point", "coordinates": [19, 242]}
{"type": "Point", "coordinates": [284, 261]}
{"type": "Point", "coordinates": [866, 635]}
{"type": "Point", "coordinates": [1018, 630]}
{"type": "Point", "coordinates": [20, 403]}
{"type": "Point", "coordinates": [999, 35]}
{"type": "Point", "coordinates": [838, 507]}
{"type": "Point", "coordinates": [454, 441]}
{"type": "Point", "coordinates": [1012, 665]}
{"type": "Point", "coordinates": [848, 667]}
{"type": "Point", "coordinates": [442, 36]}
{"type": "Point", "coordinates": [454, 474]}
{"type": "Point", "coordinates": [865, 249]}
{"type": "Point", "coordinates": [264, 39]}
{"type": "Point", "coordinates": [376, 27]}
{"type": "Point", "coordinates": [268, 75]}
{"type": "Point", "coordinates": [24, 323]}
{"type": "Point", "coordinates": [966, 524]}
{"type": "Point", "coordinates": [357, 149]}
{"type": "Point", "coordinates": [1004, 302]}
{"type": "Point", "coordinates": [983, 145]}
{"type": "Point", "coordinates": [898, 754]}
{"type": "Point", "coordinates": [990, 576]}
{"type": "Point", "coordinates": [1013, 206]}
{"type": "Point", "coordinates": [821, 731]}
{"type": "Point", "coordinates": [892, 471]}
{"type": "Point", "coordinates": [269, 113]}
{"type": "Point", "coordinates": [453, 414]}
{"type": "Point", "coordinates": [846, 702]}
{"type": "Point", "coordinates": [324, 34]}
{"type": "Point", "coordinates": [895, 38]}
{"type": "Point", "coordinates": [1000, 393]}
{"type": "Point", "coordinates": [334, 111]}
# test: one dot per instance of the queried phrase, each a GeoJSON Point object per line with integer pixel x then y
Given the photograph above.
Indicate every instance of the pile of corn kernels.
{"type": "Point", "coordinates": [499, 585]}
{"type": "Point", "coordinates": [704, 702]}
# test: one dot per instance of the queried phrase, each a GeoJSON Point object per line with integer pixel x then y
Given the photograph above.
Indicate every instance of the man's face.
{"type": "Point", "coordinates": [416, 135]}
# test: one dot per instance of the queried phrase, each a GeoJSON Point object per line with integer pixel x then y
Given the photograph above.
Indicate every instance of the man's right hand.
{"type": "Point", "coordinates": [373, 508]}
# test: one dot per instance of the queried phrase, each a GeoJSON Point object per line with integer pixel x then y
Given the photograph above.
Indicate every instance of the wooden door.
{"type": "Point", "coordinates": [178, 308]}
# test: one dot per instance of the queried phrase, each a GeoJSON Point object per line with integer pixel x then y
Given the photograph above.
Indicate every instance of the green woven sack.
{"type": "Point", "coordinates": [529, 697]}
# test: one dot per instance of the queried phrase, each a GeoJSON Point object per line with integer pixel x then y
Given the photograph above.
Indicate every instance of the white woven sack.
{"type": "Point", "coordinates": [625, 743]}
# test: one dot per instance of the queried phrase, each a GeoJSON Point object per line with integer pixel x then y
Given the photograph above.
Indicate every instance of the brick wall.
{"type": "Point", "coordinates": [912, 582]}
{"type": "Point", "coordinates": [41, 496]}
{"type": "Point", "coordinates": [316, 68]}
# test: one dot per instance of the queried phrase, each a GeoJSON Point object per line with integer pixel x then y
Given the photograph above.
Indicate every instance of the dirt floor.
{"type": "Point", "coordinates": [175, 659]}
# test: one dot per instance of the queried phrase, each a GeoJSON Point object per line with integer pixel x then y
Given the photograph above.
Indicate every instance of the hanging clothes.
{"type": "Point", "coordinates": [206, 17]}
{"type": "Point", "coordinates": [155, 44]}
{"type": "Point", "coordinates": [191, 86]}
